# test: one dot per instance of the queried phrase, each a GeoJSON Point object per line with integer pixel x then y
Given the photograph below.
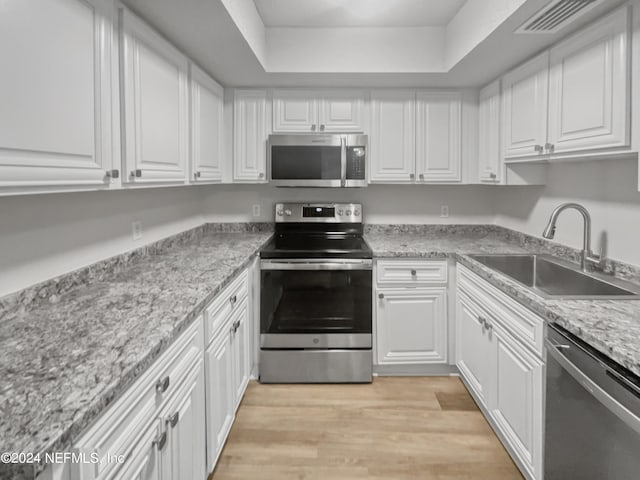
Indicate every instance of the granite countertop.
{"type": "Point", "coordinates": [68, 350]}
{"type": "Point", "coordinates": [70, 346]}
{"type": "Point", "coordinates": [610, 326]}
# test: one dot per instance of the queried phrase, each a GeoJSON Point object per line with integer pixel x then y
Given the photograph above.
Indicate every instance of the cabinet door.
{"type": "Point", "coordinates": [56, 94]}
{"type": "Point", "coordinates": [411, 326]}
{"type": "Point", "coordinates": [207, 124]}
{"type": "Point", "coordinates": [438, 136]}
{"type": "Point", "coordinates": [219, 393]}
{"type": "Point", "coordinates": [472, 347]}
{"type": "Point", "coordinates": [156, 95]}
{"type": "Point", "coordinates": [489, 154]}
{"type": "Point", "coordinates": [525, 102]}
{"type": "Point", "coordinates": [341, 111]}
{"type": "Point", "coordinates": [517, 398]}
{"type": "Point", "coordinates": [143, 463]}
{"type": "Point", "coordinates": [184, 420]}
{"type": "Point", "coordinates": [295, 111]}
{"type": "Point", "coordinates": [241, 352]}
{"type": "Point", "coordinates": [250, 133]}
{"type": "Point", "coordinates": [392, 140]}
{"type": "Point", "coordinates": [589, 88]}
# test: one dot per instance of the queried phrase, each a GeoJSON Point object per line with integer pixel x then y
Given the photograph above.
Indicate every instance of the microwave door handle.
{"type": "Point", "coordinates": [343, 162]}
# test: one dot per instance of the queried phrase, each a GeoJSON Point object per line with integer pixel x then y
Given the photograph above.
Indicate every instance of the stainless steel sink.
{"type": "Point", "coordinates": [551, 277]}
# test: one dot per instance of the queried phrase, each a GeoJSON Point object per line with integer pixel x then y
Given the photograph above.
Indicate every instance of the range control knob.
{"type": "Point", "coordinates": [341, 213]}
{"type": "Point", "coordinates": [287, 212]}
{"type": "Point", "coordinates": [356, 213]}
{"type": "Point", "coordinates": [348, 213]}
{"type": "Point", "coordinates": [279, 213]}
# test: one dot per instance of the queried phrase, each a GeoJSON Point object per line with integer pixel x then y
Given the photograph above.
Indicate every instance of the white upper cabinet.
{"type": "Point", "coordinates": [438, 136]}
{"type": "Point", "coordinates": [524, 109]}
{"type": "Point", "coordinates": [156, 105]}
{"type": "Point", "coordinates": [318, 111]}
{"type": "Point", "coordinates": [392, 139]}
{"type": "Point", "coordinates": [295, 111]}
{"type": "Point", "coordinates": [490, 154]}
{"type": "Point", "coordinates": [250, 132]}
{"type": "Point", "coordinates": [342, 111]}
{"type": "Point", "coordinates": [56, 95]}
{"type": "Point", "coordinates": [589, 95]}
{"type": "Point", "coordinates": [207, 126]}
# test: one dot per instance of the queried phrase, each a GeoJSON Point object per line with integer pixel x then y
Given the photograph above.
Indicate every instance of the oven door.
{"type": "Point", "coordinates": [316, 304]}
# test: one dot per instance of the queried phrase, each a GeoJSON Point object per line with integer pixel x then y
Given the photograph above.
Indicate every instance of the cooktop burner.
{"type": "Point", "coordinates": [313, 230]}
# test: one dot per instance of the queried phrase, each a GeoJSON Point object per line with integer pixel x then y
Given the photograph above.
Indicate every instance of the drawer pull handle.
{"type": "Point", "coordinates": [174, 419]}
{"type": "Point", "coordinates": [381, 296]}
{"type": "Point", "coordinates": [136, 173]}
{"type": "Point", "coordinates": [413, 273]}
{"type": "Point", "coordinates": [233, 299]}
{"type": "Point", "coordinates": [483, 322]}
{"type": "Point", "coordinates": [163, 384]}
{"type": "Point", "coordinates": [160, 441]}
{"type": "Point", "coordinates": [236, 326]}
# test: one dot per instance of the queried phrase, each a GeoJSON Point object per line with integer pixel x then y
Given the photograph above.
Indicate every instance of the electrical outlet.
{"type": "Point", "coordinates": [256, 210]}
{"type": "Point", "coordinates": [136, 230]}
{"type": "Point", "coordinates": [444, 211]}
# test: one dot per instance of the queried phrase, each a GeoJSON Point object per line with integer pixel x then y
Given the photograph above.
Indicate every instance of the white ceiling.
{"type": "Point", "coordinates": [357, 13]}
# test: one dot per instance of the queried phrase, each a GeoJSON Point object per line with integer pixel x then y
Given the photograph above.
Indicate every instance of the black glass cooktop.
{"type": "Point", "coordinates": [316, 245]}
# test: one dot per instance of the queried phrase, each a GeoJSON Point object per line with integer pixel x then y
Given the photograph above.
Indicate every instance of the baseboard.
{"type": "Point", "coordinates": [414, 370]}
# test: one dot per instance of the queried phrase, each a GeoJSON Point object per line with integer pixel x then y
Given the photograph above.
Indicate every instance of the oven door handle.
{"type": "Point", "coordinates": [343, 162]}
{"type": "Point", "coordinates": [317, 264]}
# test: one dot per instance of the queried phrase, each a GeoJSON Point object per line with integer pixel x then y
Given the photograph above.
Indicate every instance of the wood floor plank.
{"type": "Point", "coordinates": [396, 428]}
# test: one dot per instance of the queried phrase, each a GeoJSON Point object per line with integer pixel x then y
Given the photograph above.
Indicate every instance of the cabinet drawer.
{"type": "Point", "coordinates": [115, 432]}
{"type": "Point", "coordinates": [410, 272]}
{"type": "Point", "coordinates": [227, 302]}
{"type": "Point", "coordinates": [519, 321]}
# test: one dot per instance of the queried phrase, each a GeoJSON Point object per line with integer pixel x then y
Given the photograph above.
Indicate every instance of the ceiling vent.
{"type": "Point", "coordinates": [557, 15]}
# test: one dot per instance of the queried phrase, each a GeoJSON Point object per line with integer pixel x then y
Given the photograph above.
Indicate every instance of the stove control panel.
{"type": "Point", "coordinates": [319, 212]}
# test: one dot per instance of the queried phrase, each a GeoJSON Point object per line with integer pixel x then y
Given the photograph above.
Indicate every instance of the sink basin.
{"type": "Point", "coordinates": [551, 277]}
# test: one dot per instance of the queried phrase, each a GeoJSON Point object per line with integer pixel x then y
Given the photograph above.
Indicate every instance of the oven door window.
{"type": "Point", "coordinates": [306, 162]}
{"type": "Point", "coordinates": [325, 301]}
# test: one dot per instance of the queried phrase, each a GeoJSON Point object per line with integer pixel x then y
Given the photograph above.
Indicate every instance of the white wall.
{"type": "Point", "coordinates": [382, 203]}
{"type": "Point", "coordinates": [42, 236]}
{"type": "Point", "coordinates": [609, 190]}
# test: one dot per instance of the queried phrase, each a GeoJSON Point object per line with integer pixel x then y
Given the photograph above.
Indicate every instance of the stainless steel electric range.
{"type": "Point", "coordinates": [316, 296]}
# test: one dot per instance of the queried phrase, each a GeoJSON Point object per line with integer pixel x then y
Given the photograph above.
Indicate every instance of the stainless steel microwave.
{"type": "Point", "coordinates": [317, 160]}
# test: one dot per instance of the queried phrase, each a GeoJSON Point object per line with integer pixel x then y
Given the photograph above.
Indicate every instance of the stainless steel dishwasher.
{"type": "Point", "coordinates": [592, 414]}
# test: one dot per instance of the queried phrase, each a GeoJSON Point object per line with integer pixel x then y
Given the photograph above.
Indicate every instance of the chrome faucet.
{"type": "Point", "coordinates": [588, 257]}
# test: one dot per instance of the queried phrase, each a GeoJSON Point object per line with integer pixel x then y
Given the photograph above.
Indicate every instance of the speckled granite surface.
{"type": "Point", "coordinates": [69, 346]}
{"type": "Point", "coordinates": [610, 326]}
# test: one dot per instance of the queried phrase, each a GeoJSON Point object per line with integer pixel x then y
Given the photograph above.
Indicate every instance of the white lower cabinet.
{"type": "Point", "coordinates": [173, 422]}
{"type": "Point", "coordinates": [472, 347]}
{"type": "Point", "coordinates": [227, 367]}
{"type": "Point", "coordinates": [410, 310]}
{"type": "Point", "coordinates": [144, 462]}
{"type": "Point", "coordinates": [184, 422]}
{"type": "Point", "coordinates": [219, 368]}
{"type": "Point", "coordinates": [504, 373]}
{"type": "Point", "coordinates": [411, 325]}
{"type": "Point", "coordinates": [517, 398]}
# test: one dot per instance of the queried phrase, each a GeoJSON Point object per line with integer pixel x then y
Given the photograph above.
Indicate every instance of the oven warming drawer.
{"type": "Point", "coordinates": [315, 366]}
{"type": "Point", "coordinates": [319, 340]}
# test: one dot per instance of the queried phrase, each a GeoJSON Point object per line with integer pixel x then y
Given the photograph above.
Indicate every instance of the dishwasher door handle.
{"type": "Point", "coordinates": [594, 389]}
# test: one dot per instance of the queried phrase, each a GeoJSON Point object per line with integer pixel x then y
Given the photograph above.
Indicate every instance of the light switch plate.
{"type": "Point", "coordinates": [444, 211]}
{"type": "Point", "coordinates": [256, 210]}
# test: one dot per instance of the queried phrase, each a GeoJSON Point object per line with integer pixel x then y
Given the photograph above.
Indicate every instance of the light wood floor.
{"type": "Point", "coordinates": [394, 429]}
